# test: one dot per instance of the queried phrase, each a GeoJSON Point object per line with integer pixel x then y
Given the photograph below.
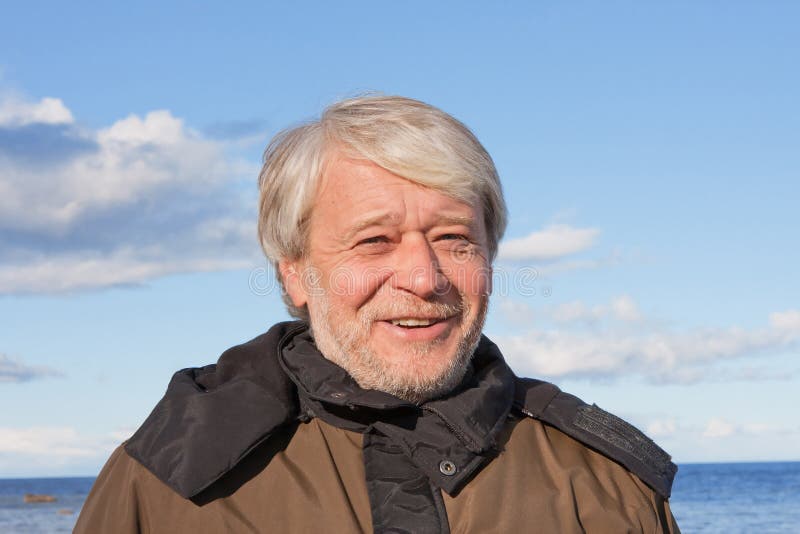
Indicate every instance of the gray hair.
{"type": "Point", "coordinates": [409, 138]}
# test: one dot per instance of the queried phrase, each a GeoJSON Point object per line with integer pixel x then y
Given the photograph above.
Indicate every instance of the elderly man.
{"type": "Point", "coordinates": [383, 409]}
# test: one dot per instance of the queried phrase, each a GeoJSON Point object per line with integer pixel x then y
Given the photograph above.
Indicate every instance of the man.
{"type": "Point", "coordinates": [390, 412]}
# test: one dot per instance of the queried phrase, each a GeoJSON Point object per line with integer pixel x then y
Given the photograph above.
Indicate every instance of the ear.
{"type": "Point", "coordinates": [291, 274]}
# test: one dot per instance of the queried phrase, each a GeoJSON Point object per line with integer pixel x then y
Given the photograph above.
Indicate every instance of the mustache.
{"type": "Point", "coordinates": [396, 308]}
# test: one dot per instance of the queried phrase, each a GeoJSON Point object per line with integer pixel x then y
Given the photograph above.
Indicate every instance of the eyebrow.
{"type": "Point", "coordinates": [377, 220]}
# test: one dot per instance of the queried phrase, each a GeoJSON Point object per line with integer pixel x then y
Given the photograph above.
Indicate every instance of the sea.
{"type": "Point", "coordinates": [728, 498]}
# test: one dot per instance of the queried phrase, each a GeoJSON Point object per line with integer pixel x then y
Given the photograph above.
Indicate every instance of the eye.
{"type": "Point", "coordinates": [374, 240]}
{"type": "Point", "coordinates": [453, 237]}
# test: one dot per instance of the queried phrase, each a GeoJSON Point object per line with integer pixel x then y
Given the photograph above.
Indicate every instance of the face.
{"type": "Point", "coordinates": [396, 280]}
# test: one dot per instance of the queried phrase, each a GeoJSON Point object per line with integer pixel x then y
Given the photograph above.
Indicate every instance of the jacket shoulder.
{"type": "Point", "coordinates": [599, 430]}
{"type": "Point", "coordinates": [112, 503]}
{"type": "Point", "coordinates": [212, 417]}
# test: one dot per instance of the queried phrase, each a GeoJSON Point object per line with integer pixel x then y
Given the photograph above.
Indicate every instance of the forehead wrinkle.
{"type": "Point", "coordinates": [455, 220]}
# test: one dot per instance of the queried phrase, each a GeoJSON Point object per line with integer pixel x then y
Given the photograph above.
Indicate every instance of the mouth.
{"type": "Point", "coordinates": [414, 322]}
{"type": "Point", "coordinates": [427, 329]}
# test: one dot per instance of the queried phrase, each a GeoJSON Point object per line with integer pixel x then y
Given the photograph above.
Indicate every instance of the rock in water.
{"type": "Point", "coordinates": [35, 498]}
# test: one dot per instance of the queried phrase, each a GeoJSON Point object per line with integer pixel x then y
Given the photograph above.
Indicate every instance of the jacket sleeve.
{"type": "Point", "coordinates": [667, 520]}
{"type": "Point", "coordinates": [113, 502]}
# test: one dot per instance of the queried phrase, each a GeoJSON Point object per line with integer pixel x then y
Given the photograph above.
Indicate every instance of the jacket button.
{"type": "Point", "coordinates": [337, 395]}
{"type": "Point", "coordinates": [446, 467]}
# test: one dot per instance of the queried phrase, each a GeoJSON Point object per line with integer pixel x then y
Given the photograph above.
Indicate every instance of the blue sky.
{"type": "Point", "coordinates": [649, 155]}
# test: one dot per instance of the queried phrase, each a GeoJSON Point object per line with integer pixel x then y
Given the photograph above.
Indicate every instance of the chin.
{"type": "Point", "coordinates": [416, 368]}
{"type": "Point", "coordinates": [419, 374]}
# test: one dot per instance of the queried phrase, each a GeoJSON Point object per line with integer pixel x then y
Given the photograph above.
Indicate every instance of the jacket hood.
{"type": "Point", "coordinates": [211, 417]}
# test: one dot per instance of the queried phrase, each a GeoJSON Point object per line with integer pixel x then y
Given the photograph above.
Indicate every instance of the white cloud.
{"type": "Point", "coordinates": [561, 266]}
{"type": "Point", "coordinates": [117, 268]}
{"type": "Point", "coordinates": [142, 198]}
{"type": "Point", "coordinates": [135, 159]}
{"type": "Point", "coordinates": [12, 370]}
{"type": "Point", "coordinates": [17, 111]}
{"type": "Point", "coordinates": [714, 428]}
{"type": "Point", "coordinates": [57, 441]}
{"type": "Point", "coordinates": [55, 450]}
{"type": "Point", "coordinates": [576, 311]}
{"type": "Point", "coordinates": [553, 242]}
{"type": "Point", "coordinates": [620, 308]}
{"type": "Point", "coordinates": [122, 434]}
{"type": "Point", "coordinates": [625, 309]}
{"type": "Point", "coordinates": [723, 439]}
{"type": "Point", "coordinates": [628, 344]}
{"type": "Point", "coordinates": [718, 428]}
{"type": "Point", "coordinates": [761, 428]}
{"type": "Point", "coordinates": [515, 310]}
{"type": "Point", "coordinates": [786, 321]}
{"type": "Point", "coordinates": [660, 428]}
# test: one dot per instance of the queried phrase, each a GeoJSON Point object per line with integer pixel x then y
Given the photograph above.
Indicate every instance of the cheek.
{"type": "Point", "coordinates": [472, 279]}
{"type": "Point", "coordinates": [352, 285]}
{"type": "Point", "coordinates": [478, 290]}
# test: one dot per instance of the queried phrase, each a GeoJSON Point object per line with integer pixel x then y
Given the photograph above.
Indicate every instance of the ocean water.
{"type": "Point", "coordinates": [59, 516]}
{"type": "Point", "coordinates": [761, 498]}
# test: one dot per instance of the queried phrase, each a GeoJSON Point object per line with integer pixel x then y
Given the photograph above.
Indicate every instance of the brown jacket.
{"type": "Point", "coordinates": [367, 462]}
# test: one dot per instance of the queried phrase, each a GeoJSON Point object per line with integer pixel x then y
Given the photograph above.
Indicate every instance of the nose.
{"type": "Point", "coordinates": [417, 269]}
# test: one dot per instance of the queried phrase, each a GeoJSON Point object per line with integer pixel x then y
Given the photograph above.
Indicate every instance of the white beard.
{"type": "Point", "coordinates": [411, 377]}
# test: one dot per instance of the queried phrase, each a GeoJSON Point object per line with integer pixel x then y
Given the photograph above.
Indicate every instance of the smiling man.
{"type": "Point", "coordinates": [399, 303]}
{"type": "Point", "coordinates": [383, 408]}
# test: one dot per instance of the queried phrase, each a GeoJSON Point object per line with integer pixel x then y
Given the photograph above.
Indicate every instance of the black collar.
{"type": "Point", "coordinates": [460, 428]}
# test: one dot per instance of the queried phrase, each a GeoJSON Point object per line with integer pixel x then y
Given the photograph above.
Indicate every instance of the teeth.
{"type": "Point", "coordinates": [412, 322]}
